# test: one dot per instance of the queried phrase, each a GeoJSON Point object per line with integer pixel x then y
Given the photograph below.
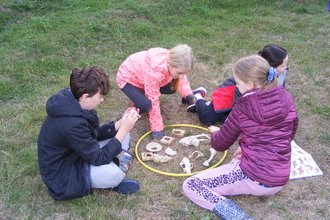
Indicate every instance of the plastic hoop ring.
{"type": "Point", "coordinates": [174, 174]}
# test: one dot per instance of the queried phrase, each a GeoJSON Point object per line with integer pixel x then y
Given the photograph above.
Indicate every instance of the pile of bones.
{"type": "Point", "coordinates": [185, 164]}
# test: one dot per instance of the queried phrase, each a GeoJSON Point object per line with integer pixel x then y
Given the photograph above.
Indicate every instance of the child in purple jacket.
{"type": "Point", "coordinates": [266, 118]}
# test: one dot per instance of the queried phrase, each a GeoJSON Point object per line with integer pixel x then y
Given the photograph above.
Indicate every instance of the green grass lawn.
{"type": "Point", "coordinates": [41, 41]}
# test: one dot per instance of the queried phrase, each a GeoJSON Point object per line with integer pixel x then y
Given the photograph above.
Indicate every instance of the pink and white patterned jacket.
{"type": "Point", "coordinates": [148, 70]}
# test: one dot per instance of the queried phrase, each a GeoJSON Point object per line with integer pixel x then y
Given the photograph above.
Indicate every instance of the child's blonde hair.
{"type": "Point", "coordinates": [254, 68]}
{"type": "Point", "coordinates": [181, 56]}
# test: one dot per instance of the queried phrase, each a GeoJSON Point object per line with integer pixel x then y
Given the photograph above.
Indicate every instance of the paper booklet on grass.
{"type": "Point", "coordinates": [302, 163]}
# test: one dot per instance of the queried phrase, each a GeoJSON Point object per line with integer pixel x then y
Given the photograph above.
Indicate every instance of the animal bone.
{"type": "Point", "coordinates": [193, 140]}
{"type": "Point", "coordinates": [147, 156]}
{"type": "Point", "coordinates": [186, 165]}
{"type": "Point", "coordinates": [199, 154]}
{"type": "Point", "coordinates": [170, 152]}
{"type": "Point", "coordinates": [161, 159]}
{"type": "Point", "coordinates": [213, 152]}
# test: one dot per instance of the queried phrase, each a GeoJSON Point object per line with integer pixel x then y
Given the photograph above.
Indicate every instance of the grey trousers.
{"type": "Point", "coordinates": [108, 175]}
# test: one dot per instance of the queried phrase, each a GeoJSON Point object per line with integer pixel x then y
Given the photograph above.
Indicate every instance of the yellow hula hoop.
{"type": "Point", "coordinates": [174, 174]}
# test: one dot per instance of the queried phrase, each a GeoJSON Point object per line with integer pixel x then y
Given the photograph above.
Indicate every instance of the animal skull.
{"type": "Point", "coordinates": [186, 165]}
{"type": "Point", "coordinates": [213, 152]}
{"type": "Point", "coordinates": [193, 140]}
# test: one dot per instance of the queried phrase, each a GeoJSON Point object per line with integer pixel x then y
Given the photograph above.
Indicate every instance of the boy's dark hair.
{"type": "Point", "coordinates": [274, 54]}
{"type": "Point", "coordinates": [89, 80]}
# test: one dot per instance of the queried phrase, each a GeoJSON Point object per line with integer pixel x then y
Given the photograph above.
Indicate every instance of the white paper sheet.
{"type": "Point", "coordinates": [302, 163]}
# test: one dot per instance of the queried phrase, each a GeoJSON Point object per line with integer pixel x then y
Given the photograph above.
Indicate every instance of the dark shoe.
{"type": "Point", "coordinates": [200, 90]}
{"type": "Point", "coordinates": [127, 186]}
{"type": "Point", "coordinates": [192, 108]}
{"type": "Point", "coordinates": [228, 210]}
{"type": "Point", "coordinates": [157, 134]}
{"type": "Point", "coordinates": [188, 100]}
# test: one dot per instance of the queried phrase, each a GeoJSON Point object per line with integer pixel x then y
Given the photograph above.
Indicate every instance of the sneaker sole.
{"type": "Point", "coordinates": [200, 89]}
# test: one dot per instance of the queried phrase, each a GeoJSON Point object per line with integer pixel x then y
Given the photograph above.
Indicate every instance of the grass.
{"type": "Point", "coordinates": [42, 41]}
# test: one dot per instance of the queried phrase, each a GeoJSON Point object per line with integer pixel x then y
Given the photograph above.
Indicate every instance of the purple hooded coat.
{"type": "Point", "coordinates": [267, 121]}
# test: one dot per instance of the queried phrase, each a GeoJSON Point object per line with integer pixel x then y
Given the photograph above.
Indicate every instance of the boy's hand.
{"type": "Point", "coordinates": [136, 109]}
{"type": "Point", "coordinates": [126, 123]}
{"type": "Point", "coordinates": [127, 112]}
{"type": "Point", "coordinates": [129, 118]}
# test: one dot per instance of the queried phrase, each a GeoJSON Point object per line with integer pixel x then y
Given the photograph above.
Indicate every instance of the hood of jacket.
{"type": "Point", "coordinates": [267, 107]}
{"type": "Point", "coordinates": [64, 104]}
{"type": "Point", "coordinates": [157, 57]}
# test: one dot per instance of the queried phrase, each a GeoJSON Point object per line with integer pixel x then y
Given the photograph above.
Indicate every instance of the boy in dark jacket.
{"type": "Point", "coordinates": [75, 153]}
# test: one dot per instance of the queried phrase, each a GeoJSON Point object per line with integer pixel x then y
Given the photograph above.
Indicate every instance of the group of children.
{"type": "Point", "coordinates": [76, 154]}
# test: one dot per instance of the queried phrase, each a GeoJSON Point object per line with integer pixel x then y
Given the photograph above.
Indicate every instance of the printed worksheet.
{"type": "Point", "coordinates": [302, 163]}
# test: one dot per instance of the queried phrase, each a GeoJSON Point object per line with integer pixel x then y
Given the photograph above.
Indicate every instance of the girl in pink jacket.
{"type": "Point", "coordinates": [145, 75]}
{"type": "Point", "coordinates": [265, 117]}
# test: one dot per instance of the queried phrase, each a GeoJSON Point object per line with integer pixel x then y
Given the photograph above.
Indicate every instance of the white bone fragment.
{"type": "Point", "coordinates": [213, 152]}
{"type": "Point", "coordinates": [193, 140]}
{"type": "Point", "coordinates": [199, 154]}
{"type": "Point", "coordinates": [161, 159]}
{"type": "Point", "coordinates": [170, 152]}
{"type": "Point", "coordinates": [186, 165]}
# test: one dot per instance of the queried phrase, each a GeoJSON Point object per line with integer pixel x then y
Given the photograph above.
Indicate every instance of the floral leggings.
{"type": "Point", "coordinates": [209, 187]}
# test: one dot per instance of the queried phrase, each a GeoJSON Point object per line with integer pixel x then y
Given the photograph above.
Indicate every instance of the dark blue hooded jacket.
{"type": "Point", "coordinates": [68, 144]}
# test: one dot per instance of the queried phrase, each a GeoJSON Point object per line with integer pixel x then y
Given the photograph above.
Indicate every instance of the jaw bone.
{"type": "Point", "coordinates": [197, 153]}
